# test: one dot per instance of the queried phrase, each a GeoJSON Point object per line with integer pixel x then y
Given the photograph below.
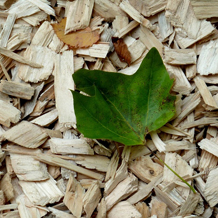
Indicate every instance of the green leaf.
{"type": "Point", "coordinates": [124, 108]}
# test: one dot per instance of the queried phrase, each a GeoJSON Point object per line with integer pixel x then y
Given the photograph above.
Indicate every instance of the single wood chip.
{"type": "Point", "coordinates": [26, 134]}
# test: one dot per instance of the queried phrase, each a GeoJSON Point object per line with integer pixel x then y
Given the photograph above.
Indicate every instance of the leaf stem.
{"type": "Point", "coordinates": [183, 180]}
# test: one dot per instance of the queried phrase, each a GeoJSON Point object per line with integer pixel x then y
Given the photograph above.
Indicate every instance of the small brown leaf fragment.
{"type": "Point", "coordinates": [121, 50]}
{"type": "Point", "coordinates": [79, 39]}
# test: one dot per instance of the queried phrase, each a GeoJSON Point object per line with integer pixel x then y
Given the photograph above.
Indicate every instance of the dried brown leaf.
{"type": "Point", "coordinates": [121, 50]}
{"type": "Point", "coordinates": [79, 39]}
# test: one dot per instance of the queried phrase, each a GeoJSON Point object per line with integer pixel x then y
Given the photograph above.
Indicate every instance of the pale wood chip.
{"type": "Point", "coordinates": [70, 146]}
{"type": "Point", "coordinates": [20, 90]}
{"type": "Point", "coordinates": [7, 29]}
{"type": "Point", "coordinates": [180, 56]}
{"type": "Point", "coordinates": [46, 119]}
{"type": "Point", "coordinates": [19, 58]}
{"type": "Point", "coordinates": [210, 191]}
{"type": "Point", "coordinates": [26, 207]}
{"type": "Point", "coordinates": [26, 167]}
{"type": "Point", "coordinates": [73, 198]}
{"type": "Point", "coordinates": [99, 50]}
{"type": "Point", "coordinates": [26, 134]}
{"type": "Point", "coordinates": [63, 75]}
{"type": "Point", "coordinates": [79, 15]}
{"type": "Point", "coordinates": [91, 198]}
{"type": "Point", "coordinates": [148, 8]}
{"type": "Point", "coordinates": [205, 93]}
{"type": "Point", "coordinates": [123, 209]}
{"type": "Point", "coordinates": [102, 213]}
{"type": "Point", "coordinates": [158, 208]}
{"type": "Point", "coordinates": [60, 213]}
{"type": "Point", "coordinates": [150, 40]}
{"type": "Point", "coordinates": [7, 187]}
{"type": "Point", "coordinates": [143, 209]}
{"type": "Point", "coordinates": [120, 175]}
{"type": "Point", "coordinates": [190, 205]}
{"type": "Point", "coordinates": [132, 12]}
{"type": "Point", "coordinates": [23, 8]}
{"type": "Point", "coordinates": [205, 9]}
{"type": "Point", "coordinates": [166, 28]}
{"type": "Point", "coordinates": [42, 193]}
{"type": "Point", "coordinates": [8, 113]}
{"type": "Point", "coordinates": [44, 35]}
{"type": "Point", "coordinates": [145, 169]}
{"type": "Point", "coordinates": [44, 5]}
{"type": "Point", "coordinates": [206, 61]}
{"type": "Point", "coordinates": [124, 189]}
{"type": "Point", "coordinates": [209, 146]}
{"type": "Point", "coordinates": [107, 9]}
{"type": "Point", "coordinates": [97, 162]}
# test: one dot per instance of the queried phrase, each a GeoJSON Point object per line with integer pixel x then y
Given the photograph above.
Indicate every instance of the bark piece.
{"type": "Point", "coordinates": [63, 75]}
{"type": "Point", "coordinates": [43, 56]}
{"type": "Point", "coordinates": [8, 114]}
{"type": "Point", "coordinates": [79, 15]}
{"type": "Point", "coordinates": [145, 169]}
{"type": "Point", "coordinates": [70, 146]}
{"type": "Point", "coordinates": [19, 90]}
{"type": "Point", "coordinates": [91, 198]}
{"type": "Point", "coordinates": [42, 193]}
{"type": "Point", "coordinates": [123, 209]}
{"type": "Point", "coordinates": [26, 134]}
{"type": "Point", "coordinates": [122, 191]}
{"type": "Point", "coordinates": [73, 198]}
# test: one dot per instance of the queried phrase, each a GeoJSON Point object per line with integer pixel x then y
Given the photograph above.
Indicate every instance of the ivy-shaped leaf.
{"type": "Point", "coordinates": [124, 108]}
